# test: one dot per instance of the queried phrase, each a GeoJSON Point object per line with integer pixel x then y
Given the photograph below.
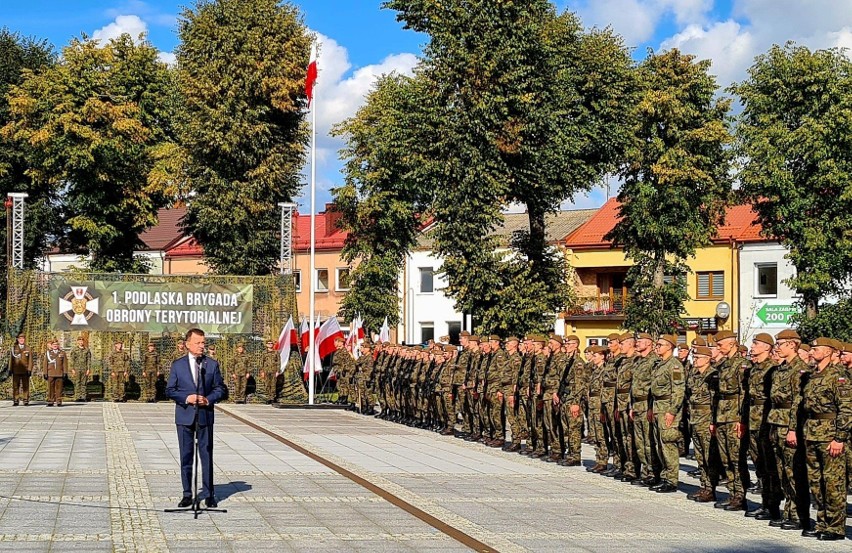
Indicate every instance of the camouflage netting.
{"type": "Point", "coordinates": [28, 311]}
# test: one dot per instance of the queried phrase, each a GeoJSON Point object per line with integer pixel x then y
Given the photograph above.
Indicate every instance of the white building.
{"type": "Point", "coordinates": [426, 313]}
{"type": "Point", "coordinates": [766, 302]}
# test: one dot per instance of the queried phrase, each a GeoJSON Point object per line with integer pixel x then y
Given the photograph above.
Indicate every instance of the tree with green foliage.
{"type": "Point", "coordinates": [676, 184]}
{"type": "Point", "coordinates": [42, 220]}
{"type": "Point", "coordinates": [87, 127]}
{"type": "Point", "coordinates": [794, 138]}
{"type": "Point", "coordinates": [516, 104]}
{"type": "Point", "coordinates": [241, 66]}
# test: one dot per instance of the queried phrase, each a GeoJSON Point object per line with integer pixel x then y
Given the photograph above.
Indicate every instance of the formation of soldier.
{"type": "Point", "coordinates": [783, 404]}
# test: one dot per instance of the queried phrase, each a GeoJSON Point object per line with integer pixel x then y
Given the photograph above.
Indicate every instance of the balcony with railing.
{"type": "Point", "coordinates": [600, 306]}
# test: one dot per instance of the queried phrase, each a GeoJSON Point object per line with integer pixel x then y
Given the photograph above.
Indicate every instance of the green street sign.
{"type": "Point", "coordinates": [776, 314]}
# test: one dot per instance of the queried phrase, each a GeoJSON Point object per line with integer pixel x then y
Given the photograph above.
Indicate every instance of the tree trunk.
{"type": "Point", "coordinates": [659, 270]}
{"type": "Point", "coordinates": [538, 236]}
{"type": "Point", "coordinates": [811, 305]}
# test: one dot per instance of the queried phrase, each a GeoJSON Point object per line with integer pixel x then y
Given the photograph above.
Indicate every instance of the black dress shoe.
{"type": "Point", "coordinates": [790, 525]}
{"type": "Point", "coordinates": [778, 523]}
{"type": "Point", "coordinates": [627, 478]}
{"type": "Point", "coordinates": [808, 533]}
{"type": "Point", "coordinates": [185, 502]}
{"type": "Point", "coordinates": [722, 503]}
{"type": "Point", "coordinates": [830, 536]}
{"type": "Point", "coordinates": [755, 512]}
{"type": "Point", "coordinates": [765, 516]}
{"type": "Point", "coordinates": [666, 487]}
{"type": "Point", "coordinates": [638, 482]}
{"type": "Point", "coordinates": [211, 503]}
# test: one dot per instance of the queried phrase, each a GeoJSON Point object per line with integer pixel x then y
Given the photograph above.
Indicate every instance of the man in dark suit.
{"type": "Point", "coordinates": [195, 382]}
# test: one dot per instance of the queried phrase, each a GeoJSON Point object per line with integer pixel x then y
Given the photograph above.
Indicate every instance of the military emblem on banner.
{"type": "Point", "coordinates": [78, 306]}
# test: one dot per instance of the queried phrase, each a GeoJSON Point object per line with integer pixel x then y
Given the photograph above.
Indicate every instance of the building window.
{"type": "Point", "coordinates": [343, 283]}
{"type": "Point", "coordinates": [600, 341]}
{"type": "Point", "coordinates": [454, 330]}
{"type": "Point", "coordinates": [427, 280]}
{"type": "Point", "coordinates": [322, 280]}
{"type": "Point", "coordinates": [297, 280]}
{"type": "Point", "coordinates": [427, 332]}
{"type": "Point", "coordinates": [767, 279]}
{"type": "Point", "coordinates": [711, 285]}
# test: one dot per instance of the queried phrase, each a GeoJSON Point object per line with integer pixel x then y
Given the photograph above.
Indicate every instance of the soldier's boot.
{"type": "Point", "coordinates": [737, 503]}
{"type": "Point", "coordinates": [706, 496]}
{"type": "Point", "coordinates": [757, 487]}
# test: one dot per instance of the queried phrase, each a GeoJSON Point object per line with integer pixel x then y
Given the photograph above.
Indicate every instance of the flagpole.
{"type": "Point", "coordinates": [311, 344]}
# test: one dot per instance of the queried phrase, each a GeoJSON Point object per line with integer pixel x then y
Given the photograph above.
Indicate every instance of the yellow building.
{"type": "Point", "coordinates": [603, 293]}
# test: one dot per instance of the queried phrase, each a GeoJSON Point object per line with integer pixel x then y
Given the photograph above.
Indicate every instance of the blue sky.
{"type": "Point", "coordinates": [361, 40]}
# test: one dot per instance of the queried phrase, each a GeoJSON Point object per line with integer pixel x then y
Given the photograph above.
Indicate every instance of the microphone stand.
{"type": "Point", "coordinates": [196, 507]}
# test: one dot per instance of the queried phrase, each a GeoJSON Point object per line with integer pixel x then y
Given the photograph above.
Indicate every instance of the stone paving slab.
{"type": "Point", "coordinates": [96, 477]}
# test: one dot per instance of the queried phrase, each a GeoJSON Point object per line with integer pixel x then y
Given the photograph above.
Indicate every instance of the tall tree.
{"type": "Point", "coordinates": [383, 201]}
{"type": "Point", "coordinates": [523, 106]}
{"type": "Point", "coordinates": [241, 70]}
{"type": "Point", "coordinates": [795, 139]}
{"type": "Point", "coordinates": [676, 184]}
{"type": "Point", "coordinates": [87, 127]}
{"type": "Point", "coordinates": [18, 53]}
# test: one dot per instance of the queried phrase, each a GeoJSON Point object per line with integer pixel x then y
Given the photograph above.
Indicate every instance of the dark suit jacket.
{"type": "Point", "coordinates": [180, 386]}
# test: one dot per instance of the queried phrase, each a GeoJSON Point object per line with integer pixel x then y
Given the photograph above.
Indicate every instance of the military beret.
{"type": "Point", "coordinates": [473, 338]}
{"type": "Point", "coordinates": [670, 338]}
{"type": "Point", "coordinates": [450, 349]}
{"type": "Point", "coordinates": [444, 339]}
{"type": "Point", "coordinates": [614, 337]}
{"type": "Point", "coordinates": [597, 349]}
{"type": "Point", "coordinates": [22, 335]}
{"type": "Point", "coordinates": [149, 343]}
{"type": "Point", "coordinates": [838, 345]}
{"type": "Point", "coordinates": [539, 338]}
{"type": "Point", "coordinates": [494, 338]}
{"type": "Point", "coordinates": [589, 349]}
{"type": "Point", "coordinates": [464, 333]}
{"type": "Point", "coordinates": [742, 349]}
{"type": "Point", "coordinates": [847, 347]}
{"type": "Point", "coordinates": [805, 347]}
{"type": "Point", "coordinates": [572, 338]}
{"type": "Point", "coordinates": [725, 335]}
{"type": "Point", "coordinates": [627, 336]}
{"type": "Point", "coordinates": [765, 338]}
{"type": "Point", "coordinates": [644, 336]}
{"type": "Point", "coordinates": [512, 339]}
{"type": "Point", "coordinates": [701, 350]}
{"type": "Point", "coordinates": [788, 334]}
{"type": "Point", "coordinates": [386, 344]}
{"type": "Point", "coordinates": [823, 341]}
{"type": "Point", "coordinates": [711, 342]}
{"type": "Point", "coordinates": [555, 337]}
{"type": "Point", "coordinates": [699, 342]}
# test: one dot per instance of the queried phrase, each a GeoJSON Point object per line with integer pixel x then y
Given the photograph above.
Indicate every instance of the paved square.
{"type": "Point", "coordinates": [96, 477]}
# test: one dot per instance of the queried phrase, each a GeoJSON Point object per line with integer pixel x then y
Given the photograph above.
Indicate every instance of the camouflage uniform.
{"type": "Point", "coordinates": [498, 377]}
{"type": "Point", "coordinates": [640, 389]}
{"type": "Point", "coordinates": [760, 445]}
{"type": "Point", "coordinates": [702, 387]}
{"type": "Point", "coordinates": [667, 389]}
{"type": "Point", "coordinates": [514, 416]}
{"type": "Point", "coordinates": [609, 378]}
{"type": "Point", "coordinates": [364, 374]}
{"type": "Point", "coordinates": [596, 425]}
{"type": "Point", "coordinates": [342, 366]}
{"type": "Point", "coordinates": [624, 442]}
{"type": "Point", "coordinates": [118, 367]}
{"type": "Point", "coordinates": [293, 389]}
{"type": "Point", "coordinates": [827, 401]}
{"type": "Point", "coordinates": [150, 371]}
{"type": "Point", "coordinates": [573, 390]}
{"type": "Point", "coordinates": [269, 366]}
{"type": "Point", "coordinates": [80, 360]}
{"type": "Point", "coordinates": [728, 408]}
{"type": "Point", "coordinates": [552, 376]}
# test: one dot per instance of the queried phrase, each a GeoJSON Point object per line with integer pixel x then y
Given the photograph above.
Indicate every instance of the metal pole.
{"type": "Point", "coordinates": [17, 249]}
{"type": "Point", "coordinates": [311, 344]}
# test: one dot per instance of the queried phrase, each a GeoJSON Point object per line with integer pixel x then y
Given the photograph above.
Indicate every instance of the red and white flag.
{"type": "Point", "coordinates": [285, 340]}
{"type": "Point", "coordinates": [356, 336]}
{"type": "Point", "coordinates": [311, 79]}
{"type": "Point", "coordinates": [384, 332]}
{"type": "Point", "coordinates": [305, 337]}
{"type": "Point", "coordinates": [328, 333]}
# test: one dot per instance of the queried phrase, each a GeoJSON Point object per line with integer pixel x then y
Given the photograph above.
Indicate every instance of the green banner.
{"type": "Point", "coordinates": [150, 307]}
{"type": "Point", "coordinates": [775, 313]}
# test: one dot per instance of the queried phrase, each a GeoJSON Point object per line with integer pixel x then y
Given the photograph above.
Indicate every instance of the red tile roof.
{"type": "Point", "coordinates": [166, 232]}
{"type": "Point", "coordinates": [328, 236]}
{"type": "Point", "coordinates": [739, 225]}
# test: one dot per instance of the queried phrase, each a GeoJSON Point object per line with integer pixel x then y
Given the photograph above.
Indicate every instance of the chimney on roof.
{"type": "Point", "coordinates": [332, 217]}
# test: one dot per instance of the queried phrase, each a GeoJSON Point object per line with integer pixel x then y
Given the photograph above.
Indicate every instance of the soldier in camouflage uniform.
{"type": "Point", "coordinates": [786, 431]}
{"type": "Point", "coordinates": [726, 419]}
{"type": "Point", "coordinates": [755, 412]}
{"type": "Point", "coordinates": [597, 358]}
{"type": "Point", "coordinates": [269, 366]}
{"type": "Point", "coordinates": [537, 373]}
{"type": "Point", "coordinates": [363, 377]}
{"type": "Point", "coordinates": [667, 393]}
{"type": "Point", "coordinates": [509, 391]}
{"type": "Point", "coordinates": [572, 389]}
{"type": "Point", "coordinates": [471, 394]}
{"type": "Point", "coordinates": [609, 381]}
{"type": "Point", "coordinates": [827, 402]}
{"type": "Point", "coordinates": [342, 366]}
{"type": "Point", "coordinates": [118, 368]}
{"type": "Point", "coordinates": [150, 372]}
{"type": "Point", "coordinates": [448, 389]}
{"type": "Point", "coordinates": [239, 373]}
{"type": "Point", "coordinates": [526, 393]}
{"type": "Point", "coordinates": [80, 361]}
{"type": "Point", "coordinates": [624, 440]}
{"type": "Point", "coordinates": [643, 430]}
{"type": "Point", "coordinates": [702, 384]}
{"type": "Point", "coordinates": [551, 377]}
{"type": "Point", "coordinates": [494, 388]}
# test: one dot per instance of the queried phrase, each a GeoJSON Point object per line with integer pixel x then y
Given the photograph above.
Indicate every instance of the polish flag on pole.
{"type": "Point", "coordinates": [328, 333]}
{"type": "Point", "coordinates": [306, 336]}
{"type": "Point", "coordinates": [316, 364]}
{"type": "Point", "coordinates": [384, 333]}
{"type": "Point", "coordinates": [285, 340]}
{"type": "Point", "coordinates": [356, 336]}
{"type": "Point", "coordinates": [311, 79]}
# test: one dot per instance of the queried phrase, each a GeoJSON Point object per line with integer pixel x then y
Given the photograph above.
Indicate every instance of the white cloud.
{"type": "Point", "coordinates": [728, 45]}
{"type": "Point", "coordinates": [168, 58]}
{"type": "Point", "coordinates": [130, 24]}
{"type": "Point", "coordinates": [637, 20]}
